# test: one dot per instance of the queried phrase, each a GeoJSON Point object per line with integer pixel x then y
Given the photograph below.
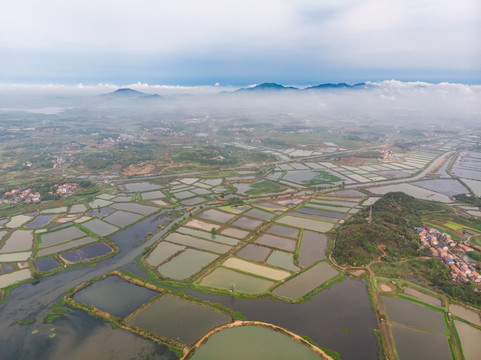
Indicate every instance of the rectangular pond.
{"type": "Point", "coordinates": [178, 319]}
{"type": "Point", "coordinates": [412, 314]}
{"type": "Point", "coordinates": [247, 223]}
{"type": "Point", "coordinates": [422, 296]}
{"type": "Point", "coordinates": [186, 264]}
{"type": "Point", "coordinates": [309, 224]}
{"type": "Point", "coordinates": [115, 296]}
{"type": "Point", "coordinates": [254, 252]}
{"type": "Point", "coordinates": [327, 213]}
{"type": "Point", "coordinates": [259, 214]}
{"type": "Point", "coordinates": [216, 215]}
{"type": "Point", "coordinates": [465, 314]}
{"type": "Point", "coordinates": [256, 269]}
{"type": "Point", "coordinates": [141, 186]}
{"type": "Point", "coordinates": [202, 225]}
{"type": "Point", "coordinates": [66, 245]}
{"type": "Point", "coordinates": [40, 221]}
{"type": "Point", "coordinates": [312, 249]}
{"type": "Point", "coordinates": [284, 231]}
{"type": "Point", "coordinates": [13, 277]}
{"type": "Point", "coordinates": [19, 240]}
{"type": "Point", "coordinates": [191, 241]}
{"type": "Point", "coordinates": [208, 236]}
{"type": "Point", "coordinates": [86, 253]}
{"type": "Point", "coordinates": [237, 233]}
{"type": "Point", "coordinates": [414, 344]}
{"type": "Point", "coordinates": [136, 208]}
{"type": "Point", "coordinates": [46, 264]}
{"type": "Point", "coordinates": [228, 279]}
{"type": "Point", "coordinates": [283, 260]}
{"type": "Point", "coordinates": [62, 235]}
{"type": "Point", "coordinates": [162, 252]}
{"type": "Point", "coordinates": [122, 218]}
{"type": "Point", "coordinates": [470, 340]}
{"type": "Point", "coordinates": [277, 242]}
{"type": "Point", "coordinates": [305, 282]}
{"type": "Point", "coordinates": [100, 227]}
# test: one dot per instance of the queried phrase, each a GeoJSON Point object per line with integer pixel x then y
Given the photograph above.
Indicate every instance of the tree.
{"type": "Point", "coordinates": [213, 231]}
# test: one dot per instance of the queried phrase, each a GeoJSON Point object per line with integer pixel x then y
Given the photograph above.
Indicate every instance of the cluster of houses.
{"type": "Point", "coordinates": [450, 252]}
{"type": "Point", "coordinates": [385, 155]}
{"type": "Point", "coordinates": [65, 189]}
{"type": "Point", "coordinates": [15, 196]}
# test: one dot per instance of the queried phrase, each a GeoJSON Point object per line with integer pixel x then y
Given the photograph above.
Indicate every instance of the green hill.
{"type": "Point", "coordinates": [393, 218]}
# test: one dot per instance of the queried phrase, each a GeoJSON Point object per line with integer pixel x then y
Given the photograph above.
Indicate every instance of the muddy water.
{"type": "Point", "coordinates": [339, 318]}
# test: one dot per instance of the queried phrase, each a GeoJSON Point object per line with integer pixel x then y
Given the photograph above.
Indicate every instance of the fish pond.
{"type": "Point", "coordinates": [313, 247]}
{"type": "Point", "coordinates": [40, 221]}
{"type": "Point", "coordinates": [162, 252]}
{"type": "Point", "coordinates": [62, 235]}
{"type": "Point", "coordinates": [86, 253]}
{"type": "Point", "coordinates": [99, 227]}
{"type": "Point", "coordinates": [470, 340]}
{"type": "Point", "coordinates": [227, 279]}
{"type": "Point", "coordinates": [412, 314]}
{"type": "Point", "coordinates": [122, 218]}
{"type": "Point", "coordinates": [309, 224]}
{"type": "Point", "coordinates": [305, 282]}
{"type": "Point", "coordinates": [254, 343]}
{"type": "Point", "coordinates": [46, 264]}
{"type": "Point", "coordinates": [65, 246]}
{"type": "Point", "coordinates": [186, 264]}
{"type": "Point", "coordinates": [254, 252]}
{"type": "Point", "coordinates": [19, 240]}
{"type": "Point", "coordinates": [414, 344]}
{"type": "Point", "coordinates": [179, 319]}
{"type": "Point", "coordinates": [115, 296]}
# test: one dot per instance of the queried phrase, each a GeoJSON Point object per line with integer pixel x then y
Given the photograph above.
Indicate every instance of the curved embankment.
{"type": "Point", "coordinates": [300, 339]}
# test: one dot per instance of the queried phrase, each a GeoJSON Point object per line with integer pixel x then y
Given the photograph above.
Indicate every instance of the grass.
{"type": "Point", "coordinates": [263, 187]}
{"type": "Point", "coordinates": [50, 318]}
{"type": "Point", "coordinates": [30, 320]}
{"type": "Point", "coordinates": [322, 177]}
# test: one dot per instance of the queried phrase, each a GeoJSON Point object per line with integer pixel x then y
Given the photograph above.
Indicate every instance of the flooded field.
{"type": "Point", "coordinates": [141, 186]}
{"type": "Point", "coordinates": [46, 264]}
{"type": "Point", "coordinates": [252, 342]}
{"type": "Point", "coordinates": [422, 296]}
{"type": "Point", "coordinates": [474, 185]}
{"type": "Point", "coordinates": [86, 253]}
{"type": "Point", "coordinates": [254, 252]}
{"type": "Point", "coordinates": [313, 247]}
{"type": "Point", "coordinates": [412, 314]}
{"type": "Point", "coordinates": [208, 236]}
{"type": "Point", "coordinates": [228, 279]}
{"type": "Point", "coordinates": [414, 344]}
{"type": "Point", "coordinates": [305, 282]}
{"type": "Point", "coordinates": [40, 221]}
{"type": "Point", "coordinates": [256, 269]}
{"type": "Point", "coordinates": [78, 208]}
{"type": "Point", "coordinates": [99, 227]}
{"type": "Point", "coordinates": [470, 340]}
{"type": "Point", "coordinates": [191, 241]}
{"type": "Point", "coordinates": [284, 231]}
{"type": "Point", "coordinates": [152, 195]}
{"type": "Point", "coordinates": [309, 224]}
{"type": "Point", "coordinates": [283, 260]}
{"type": "Point", "coordinates": [122, 218]}
{"type": "Point", "coordinates": [415, 191]}
{"type": "Point", "coordinates": [194, 201]}
{"type": "Point", "coordinates": [19, 256]}
{"type": "Point", "coordinates": [320, 212]}
{"type": "Point", "coordinates": [237, 233]}
{"type": "Point", "coordinates": [66, 234]}
{"type": "Point", "coordinates": [202, 225]}
{"type": "Point", "coordinates": [247, 223]}
{"type": "Point", "coordinates": [65, 246]}
{"type": "Point", "coordinates": [100, 212]}
{"type": "Point", "coordinates": [7, 268]}
{"type": "Point", "coordinates": [277, 242]}
{"type": "Point", "coordinates": [99, 203]}
{"type": "Point", "coordinates": [216, 215]}
{"type": "Point", "coordinates": [13, 277]}
{"type": "Point", "coordinates": [259, 214]}
{"type": "Point", "coordinates": [444, 186]}
{"type": "Point", "coordinates": [186, 264]}
{"type": "Point", "coordinates": [19, 240]}
{"type": "Point", "coordinates": [162, 252]}
{"type": "Point", "coordinates": [178, 319]}
{"type": "Point", "coordinates": [18, 220]}
{"type": "Point", "coordinates": [115, 296]}
{"type": "Point", "coordinates": [465, 314]}
{"type": "Point", "coordinates": [136, 208]}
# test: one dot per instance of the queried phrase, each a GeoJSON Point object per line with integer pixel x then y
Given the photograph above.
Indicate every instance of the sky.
{"type": "Point", "coordinates": [236, 43]}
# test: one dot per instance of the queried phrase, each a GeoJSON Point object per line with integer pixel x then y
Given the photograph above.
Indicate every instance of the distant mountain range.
{"type": "Point", "coordinates": [132, 94]}
{"type": "Point", "coordinates": [278, 87]}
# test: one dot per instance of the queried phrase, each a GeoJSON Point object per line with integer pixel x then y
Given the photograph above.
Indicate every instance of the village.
{"type": "Point", "coordinates": [15, 196]}
{"type": "Point", "coordinates": [450, 252]}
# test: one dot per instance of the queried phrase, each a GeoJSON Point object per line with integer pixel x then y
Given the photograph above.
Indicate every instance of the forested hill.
{"type": "Point", "coordinates": [393, 218]}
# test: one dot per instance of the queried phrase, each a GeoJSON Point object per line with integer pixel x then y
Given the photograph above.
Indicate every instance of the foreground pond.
{"type": "Point", "coordinates": [179, 319]}
{"type": "Point", "coordinates": [253, 343]}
